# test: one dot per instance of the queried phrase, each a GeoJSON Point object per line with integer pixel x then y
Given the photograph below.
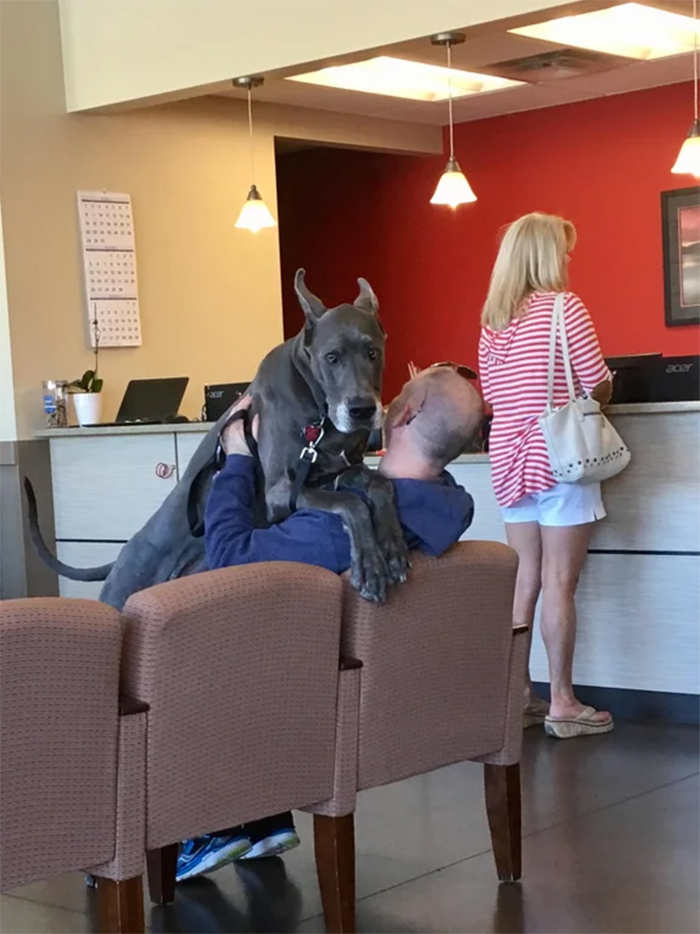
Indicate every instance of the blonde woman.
{"type": "Point", "coordinates": [548, 523]}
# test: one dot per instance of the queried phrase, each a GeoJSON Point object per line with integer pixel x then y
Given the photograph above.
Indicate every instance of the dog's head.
{"type": "Point", "coordinates": [345, 349]}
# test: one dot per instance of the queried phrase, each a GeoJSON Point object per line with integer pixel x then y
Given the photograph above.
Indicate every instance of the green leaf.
{"type": "Point", "coordinates": [97, 385]}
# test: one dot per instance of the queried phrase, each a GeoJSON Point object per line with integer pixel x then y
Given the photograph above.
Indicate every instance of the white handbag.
{"type": "Point", "coordinates": [583, 446]}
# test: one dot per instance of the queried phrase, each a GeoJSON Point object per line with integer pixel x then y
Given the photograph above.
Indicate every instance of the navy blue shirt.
{"type": "Point", "coordinates": [433, 515]}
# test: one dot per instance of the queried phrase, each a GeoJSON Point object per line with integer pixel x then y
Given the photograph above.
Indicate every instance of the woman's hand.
{"type": "Point", "coordinates": [233, 436]}
{"type": "Point", "coordinates": [602, 393]}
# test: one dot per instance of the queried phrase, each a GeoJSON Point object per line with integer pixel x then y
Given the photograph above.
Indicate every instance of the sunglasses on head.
{"type": "Point", "coordinates": [465, 371]}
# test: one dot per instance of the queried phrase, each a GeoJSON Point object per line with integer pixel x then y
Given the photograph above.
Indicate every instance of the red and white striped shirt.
{"type": "Point", "coordinates": [513, 366]}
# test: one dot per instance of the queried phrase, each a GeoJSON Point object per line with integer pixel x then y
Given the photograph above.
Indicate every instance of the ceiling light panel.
{"type": "Point", "coordinates": [396, 77]}
{"type": "Point", "coordinates": [631, 30]}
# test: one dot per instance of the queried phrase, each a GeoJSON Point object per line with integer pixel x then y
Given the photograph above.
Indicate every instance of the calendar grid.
{"type": "Point", "coordinates": [109, 262]}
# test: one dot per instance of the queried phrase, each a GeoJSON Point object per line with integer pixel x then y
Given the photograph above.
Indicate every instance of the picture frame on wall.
{"type": "Point", "coordinates": [680, 218]}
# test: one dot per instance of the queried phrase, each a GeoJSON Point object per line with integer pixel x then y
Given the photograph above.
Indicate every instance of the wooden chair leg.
{"type": "Point", "coordinates": [120, 906]}
{"type": "Point", "coordinates": [502, 788]}
{"type": "Point", "coordinates": [162, 865]}
{"type": "Point", "coordinates": [334, 845]}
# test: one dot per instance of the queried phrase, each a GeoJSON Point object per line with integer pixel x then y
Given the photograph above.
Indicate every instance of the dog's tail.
{"type": "Point", "coordinates": [75, 574]}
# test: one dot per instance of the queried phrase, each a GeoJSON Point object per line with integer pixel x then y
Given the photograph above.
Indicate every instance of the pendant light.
{"type": "Point", "coordinates": [453, 188]}
{"type": "Point", "coordinates": [255, 214]}
{"type": "Point", "coordinates": [688, 161]}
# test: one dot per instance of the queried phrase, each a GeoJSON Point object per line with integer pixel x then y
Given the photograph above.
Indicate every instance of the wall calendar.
{"type": "Point", "coordinates": [109, 263]}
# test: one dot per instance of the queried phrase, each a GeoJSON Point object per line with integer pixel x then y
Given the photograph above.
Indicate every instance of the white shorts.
{"type": "Point", "coordinates": [563, 505]}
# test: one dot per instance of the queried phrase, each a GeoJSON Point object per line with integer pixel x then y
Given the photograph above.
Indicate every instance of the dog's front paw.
{"type": "Point", "coordinates": [393, 548]}
{"type": "Point", "coordinates": [369, 574]}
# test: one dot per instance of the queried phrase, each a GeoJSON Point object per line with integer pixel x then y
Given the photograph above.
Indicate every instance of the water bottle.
{"type": "Point", "coordinates": [56, 402]}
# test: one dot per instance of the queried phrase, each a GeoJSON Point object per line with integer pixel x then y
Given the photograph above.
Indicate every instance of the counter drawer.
{"type": "Point", "coordinates": [653, 505]}
{"type": "Point", "coordinates": [637, 624]}
{"type": "Point", "coordinates": [105, 488]}
{"type": "Point", "coordinates": [85, 555]}
{"type": "Point", "coordinates": [187, 443]}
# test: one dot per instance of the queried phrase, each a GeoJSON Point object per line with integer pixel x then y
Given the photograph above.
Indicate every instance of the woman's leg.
{"type": "Point", "coordinates": [526, 539]}
{"type": "Point", "coordinates": [564, 552]}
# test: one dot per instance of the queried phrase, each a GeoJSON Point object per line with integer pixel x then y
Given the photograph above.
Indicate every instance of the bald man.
{"type": "Point", "coordinates": [434, 419]}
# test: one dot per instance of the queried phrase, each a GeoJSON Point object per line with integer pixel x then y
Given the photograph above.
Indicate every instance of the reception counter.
{"type": "Point", "coordinates": [639, 597]}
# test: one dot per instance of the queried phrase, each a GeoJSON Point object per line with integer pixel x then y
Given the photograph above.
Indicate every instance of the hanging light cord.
{"type": "Point", "coordinates": [695, 56]}
{"type": "Point", "coordinates": [250, 130]}
{"type": "Point", "coordinates": [449, 98]}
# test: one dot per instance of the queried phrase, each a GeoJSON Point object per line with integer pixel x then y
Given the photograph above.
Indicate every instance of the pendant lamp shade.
{"type": "Point", "coordinates": [255, 214]}
{"type": "Point", "coordinates": [688, 161]}
{"type": "Point", "coordinates": [453, 188]}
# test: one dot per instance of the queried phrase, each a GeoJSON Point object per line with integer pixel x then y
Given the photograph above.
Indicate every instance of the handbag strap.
{"type": "Point", "coordinates": [559, 324]}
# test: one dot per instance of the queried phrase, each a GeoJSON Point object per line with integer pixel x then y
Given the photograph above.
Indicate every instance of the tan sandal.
{"type": "Point", "coordinates": [535, 712]}
{"type": "Point", "coordinates": [583, 725]}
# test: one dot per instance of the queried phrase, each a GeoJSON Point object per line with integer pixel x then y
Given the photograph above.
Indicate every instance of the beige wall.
{"type": "Point", "coordinates": [210, 294]}
{"type": "Point", "coordinates": [123, 50]}
{"type": "Point", "coordinates": [8, 421]}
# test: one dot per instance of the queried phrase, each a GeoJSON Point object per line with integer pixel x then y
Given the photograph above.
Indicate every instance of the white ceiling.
{"type": "Point", "coordinates": [489, 47]}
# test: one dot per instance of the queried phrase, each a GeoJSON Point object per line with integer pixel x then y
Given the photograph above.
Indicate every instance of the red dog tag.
{"type": "Point", "coordinates": [312, 433]}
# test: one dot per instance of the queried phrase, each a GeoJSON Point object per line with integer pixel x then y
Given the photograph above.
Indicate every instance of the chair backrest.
{"type": "Point", "coordinates": [436, 662]}
{"type": "Point", "coordinates": [240, 669]}
{"type": "Point", "coordinates": [59, 709]}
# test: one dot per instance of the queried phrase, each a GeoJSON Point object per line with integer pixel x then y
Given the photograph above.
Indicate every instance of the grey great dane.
{"type": "Point", "coordinates": [320, 394]}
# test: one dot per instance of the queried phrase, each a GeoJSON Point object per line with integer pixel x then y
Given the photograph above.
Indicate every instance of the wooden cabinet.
{"type": "Point", "coordinates": [186, 445]}
{"type": "Point", "coordinates": [105, 488]}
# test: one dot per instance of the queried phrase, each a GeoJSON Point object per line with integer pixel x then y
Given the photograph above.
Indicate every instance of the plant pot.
{"type": "Point", "coordinates": [88, 406]}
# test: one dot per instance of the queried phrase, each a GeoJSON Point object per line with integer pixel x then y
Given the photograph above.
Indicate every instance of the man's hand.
{"type": "Point", "coordinates": [233, 437]}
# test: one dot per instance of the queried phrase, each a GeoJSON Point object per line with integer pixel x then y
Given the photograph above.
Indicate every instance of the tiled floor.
{"type": "Point", "coordinates": [612, 841]}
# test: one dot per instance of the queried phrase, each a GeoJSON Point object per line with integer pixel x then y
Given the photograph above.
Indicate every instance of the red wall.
{"type": "Point", "coordinates": [600, 163]}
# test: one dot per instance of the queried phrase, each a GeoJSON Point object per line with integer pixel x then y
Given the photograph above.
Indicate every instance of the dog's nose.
{"type": "Point", "coordinates": [363, 410]}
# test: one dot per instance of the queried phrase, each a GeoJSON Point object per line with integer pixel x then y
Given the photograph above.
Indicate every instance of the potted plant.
{"type": "Point", "coordinates": [86, 398]}
{"type": "Point", "coordinates": [86, 390]}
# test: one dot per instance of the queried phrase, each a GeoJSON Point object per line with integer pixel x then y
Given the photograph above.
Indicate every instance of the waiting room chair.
{"type": "Point", "coordinates": [240, 671]}
{"type": "Point", "coordinates": [442, 677]}
{"type": "Point", "coordinates": [62, 731]}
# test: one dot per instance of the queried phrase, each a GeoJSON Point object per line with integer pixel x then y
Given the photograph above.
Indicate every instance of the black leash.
{"type": "Point", "coordinates": [307, 458]}
{"type": "Point", "coordinates": [195, 520]}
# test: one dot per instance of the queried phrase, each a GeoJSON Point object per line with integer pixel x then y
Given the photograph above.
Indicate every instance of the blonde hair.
{"type": "Point", "coordinates": [531, 258]}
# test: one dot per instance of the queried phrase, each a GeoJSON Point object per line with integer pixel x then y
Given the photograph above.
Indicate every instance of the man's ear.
{"type": "Point", "coordinates": [408, 411]}
{"type": "Point", "coordinates": [312, 306]}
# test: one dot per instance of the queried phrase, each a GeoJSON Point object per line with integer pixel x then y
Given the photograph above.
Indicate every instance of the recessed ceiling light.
{"type": "Point", "coordinates": [396, 77]}
{"type": "Point", "coordinates": [631, 30]}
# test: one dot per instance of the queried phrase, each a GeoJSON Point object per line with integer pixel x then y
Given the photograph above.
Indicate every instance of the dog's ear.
{"type": "Point", "coordinates": [366, 300]}
{"type": "Point", "coordinates": [312, 307]}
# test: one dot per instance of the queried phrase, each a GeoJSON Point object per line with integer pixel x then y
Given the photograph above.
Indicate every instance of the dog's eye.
{"type": "Point", "coordinates": [373, 353]}
{"type": "Point", "coordinates": [332, 358]}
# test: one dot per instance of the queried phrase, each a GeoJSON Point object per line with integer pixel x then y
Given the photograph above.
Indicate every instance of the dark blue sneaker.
{"type": "Point", "coordinates": [210, 852]}
{"type": "Point", "coordinates": [271, 836]}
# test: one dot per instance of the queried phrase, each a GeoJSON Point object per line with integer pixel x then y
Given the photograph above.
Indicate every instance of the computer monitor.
{"type": "Point", "coordinates": [220, 397]}
{"type": "Point", "coordinates": [634, 377]}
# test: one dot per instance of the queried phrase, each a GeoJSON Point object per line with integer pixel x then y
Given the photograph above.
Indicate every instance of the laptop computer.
{"type": "Point", "coordinates": [150, 401]}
